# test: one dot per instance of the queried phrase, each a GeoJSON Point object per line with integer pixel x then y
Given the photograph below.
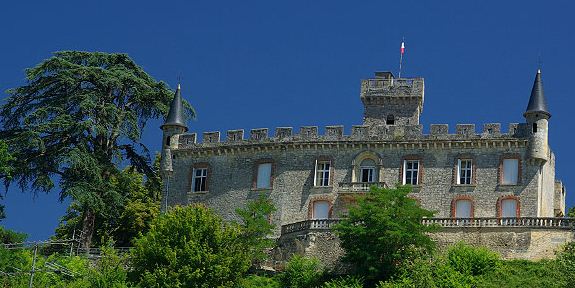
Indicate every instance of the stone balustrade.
{"type": "Point", "coordinates": [525, 222]}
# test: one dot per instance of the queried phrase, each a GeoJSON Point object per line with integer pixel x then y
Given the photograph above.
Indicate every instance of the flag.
{"type": "Point", "coordinates": [402, 47]}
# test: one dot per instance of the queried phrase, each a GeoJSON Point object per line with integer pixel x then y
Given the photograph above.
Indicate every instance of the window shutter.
{"type": "Point", "coordinates": [315, 174]}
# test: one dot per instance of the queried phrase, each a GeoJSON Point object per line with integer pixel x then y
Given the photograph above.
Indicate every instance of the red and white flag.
{"type": "Point", "coordinates": [402, 47]}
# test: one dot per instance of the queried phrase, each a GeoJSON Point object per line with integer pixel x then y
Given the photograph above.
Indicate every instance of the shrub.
{"type": "Point", "coordinates": [350, 281]}
{"type": "Point", "coordinates": [472, 261]}
{"type": "Point", "coordinates": [256, 281]}
{"type": "Point", "coordinates": [301, 272]}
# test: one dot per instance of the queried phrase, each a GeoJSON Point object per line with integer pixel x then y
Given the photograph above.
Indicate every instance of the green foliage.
{"type": "Point", "coordinates": [301, 272]}
{"type": "Point", "coordinates": [190, 247]}
{"type": "Point", "coordinates": [5, 169]}
{"type": "Point", "coordinates": [349, 281]}
{"type": "Point", "coordinates": [109, 271]}
{"type": "Point", "coordinates": [571, 212]}
{"type": "Point", "coordinates": [79, 117]}
{"type": "Point", "coordinates": [256, 281]}
{"type": "Point", "coordinates": [139, 205]}
{"type": "Point", "coordinates": [523, 273]}
{"type": "Point", "coordinates": [17, 263]}
{"type": "Point", "coordinates": [256, 227]}
{"type": "Point", "coordinates": [383, 230]}
{"type": "Point", "coordinates": [8, 236]}
{"type": "Point", "coordinates": [565, 263]}
{"type": "Point", "coordinates": [473, 261]}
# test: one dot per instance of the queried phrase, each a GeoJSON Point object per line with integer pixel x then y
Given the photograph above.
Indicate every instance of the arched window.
{"type": "Point", "coordinates": [367, 171]}
{"type": "Point", "coordinates": [320, 209]}
{"type": "Point", "coordinates": [390, 120]}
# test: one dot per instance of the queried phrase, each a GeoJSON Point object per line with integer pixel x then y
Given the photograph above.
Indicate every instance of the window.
{"type": "Point", "coordinates": [367, 171]}
{"type": "Point", "coordinates": [411, 172]}
{"type": "Point", "coordinates": [168, 141]}
{"type": "Point", "coordinates": [390, 120]}
{"type": "Point", "coordinates": [264, 176]}
{"type": "Point", "coordinates": [320, 210]}
{"type": "Point", "coordinates": [464, 171]}
{"type": "Point", "coordinates": [463, 209]}
{"type": "Point", "coordinates": [322, 171]}
{"type": "Point", "coordinates": [534, 127]}
{"type": "Point", "coordinates": [200, 179]}
{"type": "Point", "coordinates": [510, 172]}
{"type": "Point", "coordinates": [508, 208]}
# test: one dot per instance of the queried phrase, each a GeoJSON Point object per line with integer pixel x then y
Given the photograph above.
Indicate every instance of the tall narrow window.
{"type": "Point", "coordinates": [510, 172]}
{"type": "Point", "coordinates": [263, 180]}
{"type": "Point", "coordinates": [367, 170]}
{"type": "Point", "coordinates": [322, 171]}
{"type": "Point", "coordinates": [320, 210]}
{"type": "Point", "coordinates": [199, 179]}
{"type": "Point", "coordinates": [168, 141]}
{"type": "Point", "coordinates": [411, 172]}
{"type": "Point", "coordinates": [534, 127]}
{"type": "Point", "coordinates": [464, 171]}
{"type": "Point", "coordinates": [463, 209]}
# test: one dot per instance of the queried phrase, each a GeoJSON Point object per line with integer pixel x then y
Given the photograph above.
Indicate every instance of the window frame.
{"type": "Point", "coordinates": [457, 171]}
{"type": "Point", "coordinates": [499, 205]}
{"type": "Point", "coordinates": [256, 170]}
{"type": "Point", "coordinates": [407, 170]}
{"type": "Point", "coordinates": [200, 166]}
{"type": "Point", "coordinates": [462, 198]}
{"type": "Point", "coordinates": [501, 170]}
{"type": "Point", "coordinates": [465, 170]}
{"type": "Point", "coordinates": [329, 171]}
{"type": "Point", "coordinates": [403, 169]}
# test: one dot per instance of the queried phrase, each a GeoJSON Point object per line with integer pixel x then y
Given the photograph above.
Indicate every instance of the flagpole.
{"type": "Point", "coordinates": [400, 62]}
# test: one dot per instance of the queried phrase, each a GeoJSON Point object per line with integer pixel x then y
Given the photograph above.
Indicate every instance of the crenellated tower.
{"type": "Point", "coordinates": [537, 116]}
{"type": "Point", "coordinates": [389, 101]}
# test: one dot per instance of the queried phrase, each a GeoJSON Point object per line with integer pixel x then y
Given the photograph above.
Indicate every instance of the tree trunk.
{"type": "Point", "coordinates": [87, 229]}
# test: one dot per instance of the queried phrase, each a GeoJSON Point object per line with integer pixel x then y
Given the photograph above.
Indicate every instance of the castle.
{"type": "Point", "coordinates": [493, 174]}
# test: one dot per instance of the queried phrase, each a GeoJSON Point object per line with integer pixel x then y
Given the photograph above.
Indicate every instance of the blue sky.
{"type": "Point", "coordinates": [252, 64]}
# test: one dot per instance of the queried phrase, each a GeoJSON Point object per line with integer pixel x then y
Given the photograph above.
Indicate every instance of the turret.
{"type": "Point", "coordinates": [174, 125]}
{"type": "Point", "coordinates": [537, 116]}
{"type": "Point", "coordinates": [390, 101]}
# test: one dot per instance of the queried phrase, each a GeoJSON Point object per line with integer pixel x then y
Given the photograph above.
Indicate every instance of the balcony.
{"type": "Point", "coordinates": [523, 222]}
{"type": "Point", "coordinates": [359, 187]}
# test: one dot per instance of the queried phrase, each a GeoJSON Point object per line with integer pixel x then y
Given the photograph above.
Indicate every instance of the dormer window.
{"type": "Point", "coordinates": [390, 120]}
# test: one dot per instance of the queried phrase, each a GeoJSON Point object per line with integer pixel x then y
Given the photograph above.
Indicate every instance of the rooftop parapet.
{"type": "Point", "coordinates": [358, 133]}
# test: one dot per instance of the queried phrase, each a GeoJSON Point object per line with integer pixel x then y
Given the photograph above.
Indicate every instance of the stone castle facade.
{"type": "Point", "coordinates": [308, 175]}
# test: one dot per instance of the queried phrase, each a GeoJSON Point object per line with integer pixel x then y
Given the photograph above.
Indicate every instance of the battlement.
{"type": "Point", "coordinates": [358, 133]}
{"type": "Point", "coordinates": [390, 87]}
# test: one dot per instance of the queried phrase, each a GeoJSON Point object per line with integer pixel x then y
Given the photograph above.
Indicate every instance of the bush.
{"type": "Point", "coordinates": [472, 261]}
{"type": "Point", "coordinates": [344, 282]}
{"type": "Point", "coordinates": [383, 231]}
{"type": "Point", "coordinates": [256, 281]}
{"type": "Point", "coordinates": [301, 272]}
{"type": "Point", "coordinates": [190, 247]}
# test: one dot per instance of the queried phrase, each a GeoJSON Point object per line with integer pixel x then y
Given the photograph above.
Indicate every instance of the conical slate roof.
{"type": "Point", "coordinates": [537, 103]}
{"type": "Point", "coordinates": [176, 114]}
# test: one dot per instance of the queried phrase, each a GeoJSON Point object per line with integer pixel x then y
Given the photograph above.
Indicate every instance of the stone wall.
{"type": "Point", "coordinates": [509, 242]}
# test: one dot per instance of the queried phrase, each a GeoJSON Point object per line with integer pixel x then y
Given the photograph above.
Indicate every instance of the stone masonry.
{"type": "Point", "coordinates": [389, 136]}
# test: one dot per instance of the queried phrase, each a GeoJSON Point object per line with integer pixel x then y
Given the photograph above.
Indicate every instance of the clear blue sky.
{"type": "Point", "coordinates": [252, 64]}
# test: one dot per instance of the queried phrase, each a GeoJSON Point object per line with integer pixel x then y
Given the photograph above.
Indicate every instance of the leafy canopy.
{"type": "Point", "coordinates": [383, 230]}
{"type": "Point", "coordinates": [79, 117]}
{"type": "Point", "coordinates": [190, 247]}
{"type": "Point", "coordinates": [256, 227]}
